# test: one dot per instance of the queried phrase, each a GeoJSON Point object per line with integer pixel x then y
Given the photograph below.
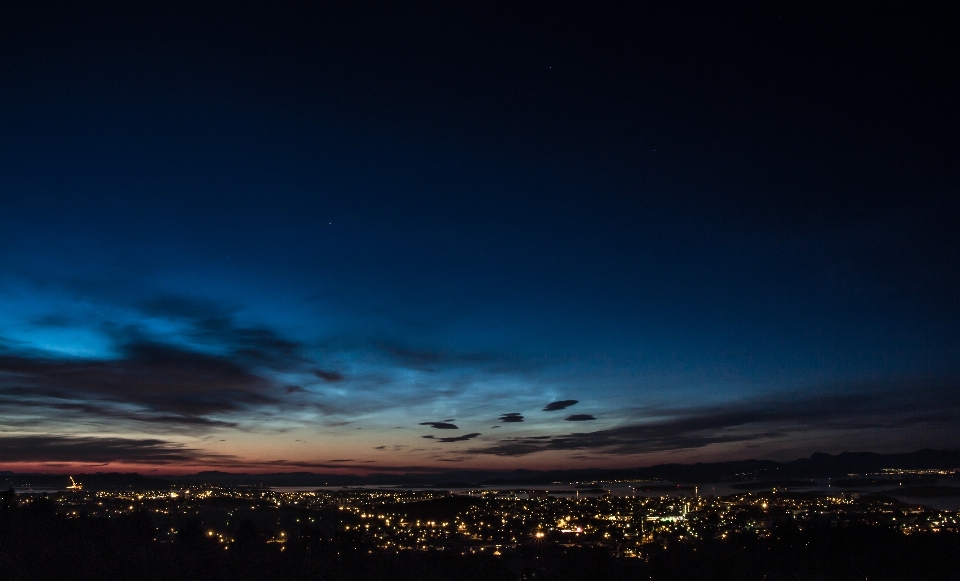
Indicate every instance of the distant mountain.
{"type": "Point", "coordinates": [819, 465]}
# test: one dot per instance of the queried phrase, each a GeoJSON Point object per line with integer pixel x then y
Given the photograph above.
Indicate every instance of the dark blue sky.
{"type": "Point", "coordinates": [295, 236]}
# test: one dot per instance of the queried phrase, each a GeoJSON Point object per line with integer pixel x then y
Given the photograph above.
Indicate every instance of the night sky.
{"type": "Point", "coordinates": [433, 236]}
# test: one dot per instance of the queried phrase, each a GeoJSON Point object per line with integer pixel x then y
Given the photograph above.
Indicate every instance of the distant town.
{"type": "Point", "coordinates": [860, 525]}
{"type": "Point", "coordinates": [471, 521]}
{"type": "Point", "coordinates": [808, 519]}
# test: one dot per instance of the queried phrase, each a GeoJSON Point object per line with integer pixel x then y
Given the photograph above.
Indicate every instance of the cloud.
{"type": "Point", "coordinates": [209, 373]}
{"type": "Point", "coordinates": [190, 363]}
{"type": "Point", "coordinates": [76, 410]}
{"type": "Point", "coordinates": [53, 320]}
{"type": "Point", "coordinates": [168, 387]}
{"type": "Point", "coordinates": [212, 323]}
{"type": "Point", "coordinates": [254, 346]}
{"type": "Point", "coordinates": [364, 465]}
{"type": "Point", "coordinates": [153, 376]}
{"type": "Point", "coordinates": [633, 439]}
{"type": "Point", "coordinates": [431, 359]}
{"type": "Point", "coordinates": [454, 438]}
{"type": "Point", "coordinates": [181, 307]}
{"type": "Point", "coordinates": [877, 408]}
{"type": "Point", "coordinates": [560, 405]}
{"type": "Point", "coordinates": [511, 418]}
{"type": "Point", "coordinates": [55, 448]}
{"type": "Point", "coordinates": [440, 425]}
{"type": "Point", "coordinates": [434, 360]}
{"type": "Point", "coordinates": [579, 418]}
{"type": "Point", "coordinates": [328, 376]}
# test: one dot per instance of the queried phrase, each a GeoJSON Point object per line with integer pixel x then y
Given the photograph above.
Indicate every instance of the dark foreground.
{"type": "Point", "coordinates": [37, 542]}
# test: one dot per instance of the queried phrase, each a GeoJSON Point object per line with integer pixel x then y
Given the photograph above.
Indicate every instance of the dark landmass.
{"type": "Point", "coordinates": [763, 485]}
{"type": "Point", "coordinates": [39, 543]}
{"type": "Point", "coordinates": [818, 465]}
{"type": "Point", "coordinates": [437, 509]}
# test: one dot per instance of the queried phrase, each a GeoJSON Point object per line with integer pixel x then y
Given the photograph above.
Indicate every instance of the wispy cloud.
{"type": "Point", "coordinates": [877, 408]}
{"type": "Point", "coordinates": [434, 359]}
{"type": "Point", "coordinates": [214, 324]}
{"type": "Point", "coordinates": [56, 448]}
{"type": "Point", "coordinates": [181, 307]}
{"type": "Point", "coordinates": [364, 465]}
{"type": "Point", "coordinates": [210, 373]}
{"type": "Point", "coordinates": [328, 376]}
{"type": "Point", "coordinates": [105, 412]}
{"type": "Point", "coordinates": [157, 379]}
